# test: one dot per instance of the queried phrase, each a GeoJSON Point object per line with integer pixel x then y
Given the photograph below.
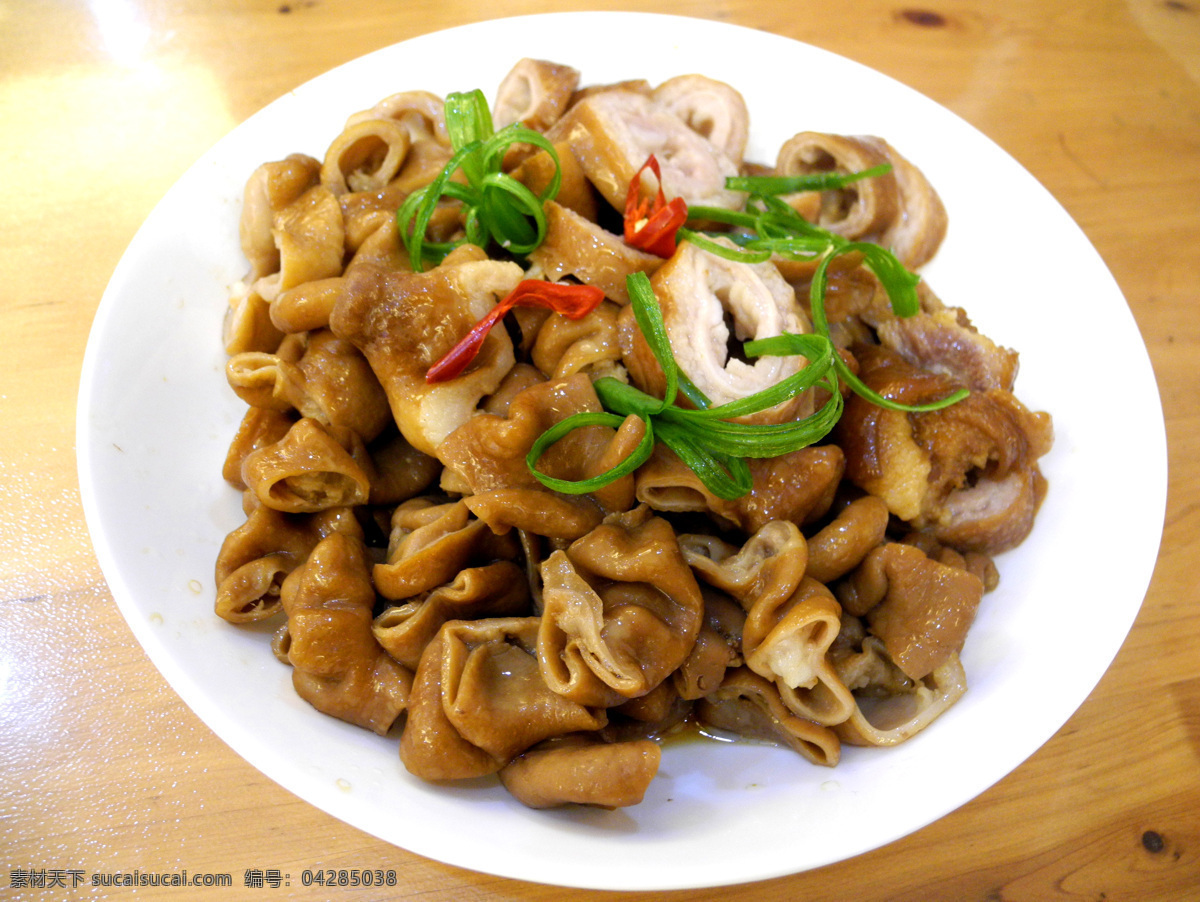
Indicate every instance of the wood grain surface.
{"type": "Point", "coordinates": [103, 105]}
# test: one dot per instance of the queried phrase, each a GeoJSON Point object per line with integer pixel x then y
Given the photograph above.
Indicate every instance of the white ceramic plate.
{"type": "Point", "coordinates": [155, 418]}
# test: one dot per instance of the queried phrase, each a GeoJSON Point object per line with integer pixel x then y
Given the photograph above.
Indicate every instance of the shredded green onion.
{"type": "Point", "coordinates": [703, 438]}
{"type": "Point", "coordinates": [769, 226]}
{"type": "Point", "coordinates": [792, 184]}
{"type": "Point", "coordinates": [708, 439]}
{"type": "Point", "coordinates": [496, 207]}
{"type": "Point", "coordinates": [635, 459]}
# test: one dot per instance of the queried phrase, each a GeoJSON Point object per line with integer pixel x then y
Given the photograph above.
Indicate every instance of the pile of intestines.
{"type": "Point", "coordinates": [427, 586]}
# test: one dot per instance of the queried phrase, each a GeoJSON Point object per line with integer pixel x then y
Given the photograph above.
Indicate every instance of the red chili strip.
{"type": "Point", "coordinates": [572, 301]}
{"type": "Point", "coordinates": [650, 225]}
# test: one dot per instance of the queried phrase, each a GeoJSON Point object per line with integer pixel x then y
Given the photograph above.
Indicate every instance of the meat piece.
{"type": "Point", "coordinates": [791, 619]}
{"type": "Point", "coordinates": [612, 133]}
{"type": "Point", "coordinates": [900, 209]}
{"type": "Point", "coordinates": [944, 341]}
{"type": "Point", "coordinates": [788, 642]}
{"type": "Point", "coordinates": [967, 473]}
{"type": "Point", "coordinates": [248, 325]}
{"type": "Point", "coordinates": [536, 171]}
{"type": "Point", "coordinates": [339, 668]}
{"type": "Point", "coordinates": [422, 114]}
{"type": "Point", "coordinates": [862, 208]}
{"type": "Point", "coordinates": [840, 546]}
{"type": "Point", "coordinates": [404, 322]}
{"type": "Point", "coordinates": [306, 306]}
{"type": "Point", "coordinates": [365, 156]}
{"type": "Point", "coordinates": [915, 235]}
{"type": "Point", "coordinates": [590, 345]}
{"type": "Point", "coordinates": [763, 572]}
{"type": "Point", "coordinates": [312, 468]}
{"type": "Point", "coordinates": [621, 611]}
{"type": "Point", "coordinates": [430, 543]}
{"type": "Point", "coordinates": [401, 471]}
{"type": "Point", "coordinates": [534, 93]}
{"type": "Point", "coordinates": [919, 608]}
{"type": "Point", "coordinates": [311, 237]}
{"type": "Point", "coordinates": [713, 108]}
{"type": "Point", "coordinates": [575, 246]}
{"type": "Point", "coordinates": [330, 382]}
{"type": "Point", "coordinates": [892, 710]}
{"type": "Point", "coordinates": [260, 427]}
{"type": "Point", "coordinates": [493, 590]}
{"type": "Point", "coordinates": [580, 771]}
{"type": "Point", "coordinates": [750, 706]}
{"type": "Point", "coordinates": [709, 303]}
{"type": "Point", "coordinates": [718, 647]}
{"type": "Point", "coordinates": [256, 557]}
{"type": "Point", "coordinates": [269, 190]}
{"type": "Point", "coordinates": [798, 486]}
{"type": "Point", "coordinates": [478, 700]}
{"type": "Point", "coordinates": [488, 452]}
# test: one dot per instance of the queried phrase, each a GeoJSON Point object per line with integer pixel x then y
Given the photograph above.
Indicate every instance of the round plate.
{"type": "Point", "coordinates": [155, 418]}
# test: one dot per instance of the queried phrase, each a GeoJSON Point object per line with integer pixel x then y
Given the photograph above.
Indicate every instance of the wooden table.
{"type": "Point", "coordinates": [103, 105]}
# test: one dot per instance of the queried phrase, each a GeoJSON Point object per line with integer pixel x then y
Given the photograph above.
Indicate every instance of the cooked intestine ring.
{"type": "Point", "coordinates": [612, 132]}
{"type": "Point", "coordinates": [707, 303]}
{"type": "Point", "coordinates": [422, 114]}
{"type": "Point", "coordinates": [534, 93]}
{"type": "Point", "coordinates": [714, 109]}
{"type": "Point", "coordinates": [899, 209]}
{"type": "Point", "coordinates": [365, 157]}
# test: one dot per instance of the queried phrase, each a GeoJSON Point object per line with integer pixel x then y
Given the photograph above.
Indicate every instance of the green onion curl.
{"type": "Point", "coordinates": [497, 209]}
{"type": "Point", "coordinates": [632, 461]}
{"type": "Point", "coordinates": [704, 438]}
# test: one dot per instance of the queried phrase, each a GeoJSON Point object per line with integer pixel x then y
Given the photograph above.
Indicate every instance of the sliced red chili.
{"type": "Point", "coordinates": [651, 224]}
{"type": "Point", "coordinates": [572, 301]}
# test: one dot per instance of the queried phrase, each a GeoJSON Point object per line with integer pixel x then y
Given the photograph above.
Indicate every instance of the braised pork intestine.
{"type": "Point", "coordinates": [428, 584]}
